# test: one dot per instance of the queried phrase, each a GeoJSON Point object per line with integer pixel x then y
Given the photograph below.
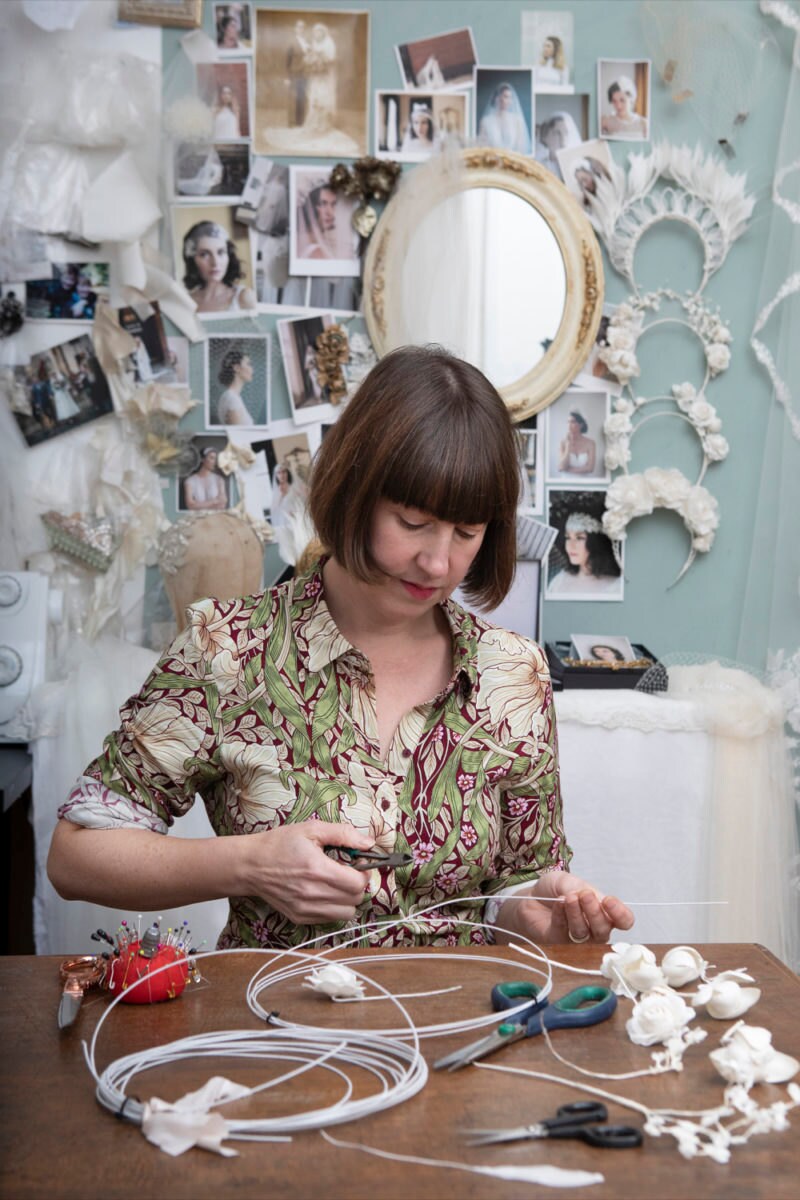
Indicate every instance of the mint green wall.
{"type": "Point", "coordinates": [703, 612]}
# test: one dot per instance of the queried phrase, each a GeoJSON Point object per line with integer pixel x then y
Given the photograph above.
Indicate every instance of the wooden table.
{"type": "Point", "coordinates": [56, 1141]}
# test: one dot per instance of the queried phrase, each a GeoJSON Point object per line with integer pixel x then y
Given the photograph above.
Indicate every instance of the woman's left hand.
{"type": "Point", "coordinates": [570, 910]}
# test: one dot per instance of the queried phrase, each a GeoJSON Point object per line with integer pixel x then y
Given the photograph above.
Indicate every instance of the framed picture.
{"type": "Point", "coordinates": [602, 647]}
{"type": "Point", "coordinates": [225, 88]}
{"type": "Point", "coordinates": [322, 240]}
{"type": "Point", "coordinates": [581, 564]}
{"type": "Point", "coordinates": [596, 374]}
{"type": "Point", "coordinates": [183, 14]}
{"type": "Point", "coordinates": [233, 26]}
{"type": "Point", "coordinates": [411, 126]}
{"type": "Point", "coordinates": [561, 121]}
{"type": "Point", "coordinates": [218, 169]}
{"type": "Point", "coordinates": [152, 361]}
{"type": "Point", "coordinates": [237, 380]}
{"type": "Point", "coordinates": [575, 439]}
{"type": "Point", "coordinates": [623, 99]}
{"type": "Point", "coordinates": [520, 611]}
{"type": "Point", "coordinates": [205, 488]}
{"type": "Point", "coordinates": [213, 259]}
{"type": "Point", "coordinates": [312, 82]}
{"type": "Point", "coordinates": [297, 338]}
{"type": "Point", "coordinates": [445, 60]}
{"type": "Point", "coordinates": [288, 458]}
{"type": "Point", "coordinates": [583, 166]}
{"type": "Point", "coordinates": [532, 490]}
{"type": "Point", "coordinates": [548, 44]}
{"type": "Point", "coordinates": [504, 108]}
{"type": "Point", "coordinates": [58, 390]}
{"type": "Point", "coordinates": [70, 293]}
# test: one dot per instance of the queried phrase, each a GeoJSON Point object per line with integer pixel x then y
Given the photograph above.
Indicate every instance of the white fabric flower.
{"type": "Point", "coordinates": [718, 357]}
{"type": "Point", "coordinates": [630, 495]}
{"type": "Point", "coordinates": [667, 485]}
{"type": "Point", "coordinates": [700, 412]}
{"type": "Point", "coordinates": [621, 363]}
{"type": "Point", "coordinates": [725, 998]}
{"type": "Point", "coordinates": [721, 333]}
{"type": "Point", "coordinates": [659, 1015]}
{"type": "Point", "coordinates": [617, 454]}
{"type": "Point", "coordinates": [704, 543]}
{"type": "Point", "coordinates": [621, 405]}
{"type": "Point", "coordinates": [631, 968]}
{"type": "Point", "coordinates": [700, 511]}
{"type": "Point", "coordinates": [716, 447]}
{"type": "Point", "coordinates": [624, 315]}
{"type": "Point", "coordinates": [746, 1056]}
{"type": "Point", "coordinates": [617, 425]}
{"type": "Point", "coordinates": [682, 964]}
{"type": "Point", "coordinates": [336, 981]}
{"type": "Point", "coordinates": [684, 394]}
{"type": "Point", "coordinates": [620, 336]}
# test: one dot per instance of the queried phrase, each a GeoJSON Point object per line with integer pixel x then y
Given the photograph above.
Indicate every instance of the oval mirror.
{"type": "Point", "coordinates": [488, 254]}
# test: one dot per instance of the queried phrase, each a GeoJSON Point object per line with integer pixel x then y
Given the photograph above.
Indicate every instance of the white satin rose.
{"type": "Point", "coordinates": [336, 981]}
{"type": "Point", "coordinates": [617, 454]}
{"type": "Point", "coordinates": [684, 394]}
{"type": "Point", "coordinates": [631, 968]}
{"type": "Point", "coordinates": [715, 447]}
{"type": "Point", "coordinates": [622, 364]}
{"type": "Point", "coordinates": [617, 425]}
{"type": "Point", "coordinates": [658, 1015]}
{"type": "Point", "coordinates": [718, 357]}
{"type": "Point", "coordinates": [668, 486]}
{"type": "Point", "coordinates": [629, 495]}
{"type": "Point", "coordinates": [700, 510]}
{"type": "Point", "coordinates": [746, 1056]}
{"type": "Point", "coordinates": [701, 413]}
{"type": "Point", "coordinates": [725, 998]}
{"type": "Point", "coordinates": [681, 965]}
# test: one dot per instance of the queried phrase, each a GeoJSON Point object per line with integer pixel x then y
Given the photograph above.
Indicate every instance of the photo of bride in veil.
{"type": "Point", "coordinates": [504, 108]}
{"type": "Point", "coordinates": [311, 97]}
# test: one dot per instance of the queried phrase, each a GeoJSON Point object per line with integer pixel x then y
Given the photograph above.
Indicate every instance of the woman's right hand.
{"type": "Point", "coordinates": [288, 867]}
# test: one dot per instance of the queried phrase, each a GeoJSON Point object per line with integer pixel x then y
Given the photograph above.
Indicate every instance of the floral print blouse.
{"type": "Point", "coordinates": [264, 708]}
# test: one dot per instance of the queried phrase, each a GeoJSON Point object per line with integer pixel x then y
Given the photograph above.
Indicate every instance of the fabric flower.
{"type": "Point", "coordinates": [700, 510]}
{"type": "Point", "coordinates": [715, 447]}
{"type": "Point", "coordinates": [682, 964]}
{"type": "Point", "coordinates": [746, 1056]}
{"type": "Point", "coordinates": [620, 336]}
{"type": "Point", "coordinates": [684, 394]}
{"type": "Point", "coordinates": [660, 1014]}
{"type": "Point", "coordinates": [700, 412]}
{"type": "Point", "coordinates": [617, 455]}
{"type": "Point", "coordinates": [631, 495]}
{"type": "Point", "coordinates": [617, 425]}
{"type": "Point", "coordinates": [718, 357]}
{"type": "Point", "coordinates": [336, 981]}
{"type": "Point", "coordinates": [668, 486]}
{"type": "Point", "coordinates": [631, 968]}
{"type": "Point", "coordinates": [704, 543]}
{"type": "Point", "coordinates": [621, 405]}
{"type": "Point", "coordinates": [623, 364]}
{"type": "Point", "coordinates": [724, 996]}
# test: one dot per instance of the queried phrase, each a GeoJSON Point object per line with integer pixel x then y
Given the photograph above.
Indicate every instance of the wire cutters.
{"type": "Point", "coordinates": [582, 1006]}
{"type": "Point", "coordinates": [365, 860]}
{"type": "Point", "coordinates": [584, 1119]}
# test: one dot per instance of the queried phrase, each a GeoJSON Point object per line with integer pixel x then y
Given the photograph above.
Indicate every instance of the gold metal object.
{"type": "Point", "coordinates": [364, 220]}
{"type": "Point", "coordinates": [182, 14]}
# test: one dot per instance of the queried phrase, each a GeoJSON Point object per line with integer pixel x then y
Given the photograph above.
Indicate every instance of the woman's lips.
{"type": "Point", "coordinates": [417, 590]}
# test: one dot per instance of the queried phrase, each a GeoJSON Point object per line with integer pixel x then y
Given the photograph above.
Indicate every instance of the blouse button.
{"type": "Point", "coordinates": [406, 752]}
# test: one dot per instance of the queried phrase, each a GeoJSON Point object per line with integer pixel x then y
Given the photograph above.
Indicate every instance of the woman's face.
{"type": "Point", "coordinates": [230, 33]}
{"type": "Point", "coordinates": [226, 96]}
{"type": "Point", "coordinates": [281, 476]}
{"type": "Point", "coordinates": [604, 654]}
{"type": "Point", "coordinates": [84, 287]}
{"type": "Point", "coordinates": [557, 135]}
{"type": "Point", "coordinates": [211, 259]}
{"type": "Point", "coordinates": [245, 369]}
{"type": "Point", "coordinates": [621, 103]}
{"type": "Point", "coordinates": [548, 49]}
{"type": "Point", "coordinates": [586, 181]}
{"type": "Point", "coordinates": [210, 460]}
{"type": "Point", "coordinates": [421, 124]}
{"type": "Point", "coordinates": [504, 99]}
{"type": "Point", "coordinates": [576, 548]}
{"type": "Point", "coordinates": [573, 426]}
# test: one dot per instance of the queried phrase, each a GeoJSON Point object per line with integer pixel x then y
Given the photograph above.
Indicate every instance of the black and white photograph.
{"type": "Point", "coordinates": [152, 361]}
{"type": "Point", "coordinates": [595, 373]}
{"type": "Point", "coordinates": [322, 240]}
{"type": "Point", "coordinates": [213, 258]}
{"type": "Point", "coordinates": [288, 458]}
{"type": "Point", "coordinates": [205, 488]}
{"type": "Point", "coordinates": [445, 60]}
{"type": "Point", "coordinates": [575, 439]}
{"type": "Point", "coordinates": [581, 564]}
{"type": "Point", "coordinates": [237, 380]}
{"type": "Point", "coordinates": [561, 122]}
{"type": "Point", "coordinates": [547, 45]}
{"type": "Point", "coordinates": [310, 400]}
{"type": "Point", "coordinates": [58, 390]}
{"type": "Point", "coordinates": [225, 88]}
{"type": "Point", "coordinates": [70, 293]}
{"type": "Point", "coordinates": [218, 169]}
{"type": "Point", "coordinates": [602, 648]}
{"type": "Point", "coordinates": [532, 474]}
{"type": "Point", "coordinates": [411, 126]}
{"type": "Point", "coordinates": [583, 166]}
{"type": "Point", "coordinates": [233, 26]}
{"type": "Point", "coordinates": [623, 99]}
{"type": "Point", "coordinates": [312, 82]}
{"type": "Point", "coordinates": [504, 108]}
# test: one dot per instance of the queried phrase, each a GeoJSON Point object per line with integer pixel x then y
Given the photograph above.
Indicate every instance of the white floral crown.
{"type": "Point", "coordinates": [580, 522]}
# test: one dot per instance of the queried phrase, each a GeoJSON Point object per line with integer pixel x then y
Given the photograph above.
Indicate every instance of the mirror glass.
{"type": "Point", "coordinates": [483, 275]}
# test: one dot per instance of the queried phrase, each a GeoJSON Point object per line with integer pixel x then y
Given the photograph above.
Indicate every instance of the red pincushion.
{"type": "Point", "coordinates": [131, 965]}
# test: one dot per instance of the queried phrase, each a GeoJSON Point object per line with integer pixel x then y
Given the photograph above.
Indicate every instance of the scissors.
{"type": "Point", "coordinates": [582, 1006]}
{"type": "Point", "coordinates": [365, 860]}
{"type": "Point", "coordinates": [584, 1119]}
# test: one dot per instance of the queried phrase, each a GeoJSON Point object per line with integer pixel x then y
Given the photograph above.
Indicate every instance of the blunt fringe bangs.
{"type": "Point", "coordinates": [428, 431]}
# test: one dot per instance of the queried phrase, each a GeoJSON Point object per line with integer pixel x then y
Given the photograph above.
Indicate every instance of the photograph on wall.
{"type": "Point", "coordinates": [575, 439]}
{"type": "Point", "coordinates": [213, 258]}
{"type": "Point", "coordinates": [583, 166]}
{"type": "Point", "coordinates": [504, 108]}
{"type": "Point", "coordinates": [233, 25]}
{"type": "Point", "coordinates": [581, 564]}
{"type": "Point", "coordinates": [623, 99]}
{"type": "Point", "coordinates": [520, 610]}
{"type": "Point", "coordinates": [289, 467]}
{"type": "Point", "coordinates": [15, 295]}
{"type": "Point", "coordinates": [547, 45]}
{"type": "Point", "coordinates": [71, 292]}
{"type": "Point", "coordinates": [152, 361]}
{"type": "Point", "coordinates": [205, 488]}
{"type": "Point", "coordinates": [218, 169]}
{"type": "Point", "coordinates": [595, 373]}
{"type": "Point", "coordinates": [532, 476]}
{"type": "Point", "coordinates": [310, 399]}
{"type": "Point", "coordinates": [237, 380]}
{"type": "Point", "coordinates": [58, 390]}
{"type": "Point", "coordinates": [322, 240]}
{"type": "Point", "coordinates": [602, 647]}
{"type": "Point", "coordinates": [225, 88]}
{"type": "Point", "coordinates": [411, 126]}
{"type": "Point", "coordinates": [445, 60]}
{"type": "Point", "coordinates": [561, 122]}
{"type": "Point", "coordinates": [179, 358]}
{"type": "Point", "coordinates": [312, 82]}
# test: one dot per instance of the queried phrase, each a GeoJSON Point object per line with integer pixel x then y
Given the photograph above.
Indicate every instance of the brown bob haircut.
{"type": "Point", "coordinates": [428, 431]}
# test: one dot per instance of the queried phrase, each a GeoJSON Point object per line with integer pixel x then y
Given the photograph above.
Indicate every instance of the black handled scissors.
{"type": "Point", "coordinates": [582, 1006]}
{"type": "Point", "coordinates": [584, 1119]}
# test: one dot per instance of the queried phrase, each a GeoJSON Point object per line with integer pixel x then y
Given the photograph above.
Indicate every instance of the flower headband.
{"type": "Point", "coordinates": [580, 522]}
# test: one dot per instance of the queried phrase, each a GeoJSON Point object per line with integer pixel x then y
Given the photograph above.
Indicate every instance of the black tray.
{"type": "Point", "coordinates": [611, 676]}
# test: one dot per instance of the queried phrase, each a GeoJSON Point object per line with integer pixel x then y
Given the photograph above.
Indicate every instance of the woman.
{"type": "Point", "coordinates": [622, 121]}
{"type": "Point", "coordinates": [212, 270]}
{"type": "Point", "coordinates": [420, 136]}
{"type": "Point", "coordinates": [205, 489]}
{"type": "Point", "coordinates": [355, 706]}
{"type": "Point", "coordinates": [587, 172]}
{"type": "Point", "coordinates": [228, 30]}
{"type": "Point", "coordinates": [63, 400]}
{"type": "Point", "coordinates": [226, 115]}
{"type": "Point", "coordinates": [607, 654]}
{"type": "Point", "coordinates": [286, 498]}
{"type": "Point", "coordinates": [319, 67]}
{"type": "Point", "coordinates": [577, 453]}
{"type": "Point", "coordinates": [236, 369]}
{"type": "Point", "coordinates": [558, 132]}
{"type": "Point", "coordinates": [503, 123]}
{"type": "Point", "coordinates": [591, 568]}
{"type": "Point", "coordinates": [552, 67]}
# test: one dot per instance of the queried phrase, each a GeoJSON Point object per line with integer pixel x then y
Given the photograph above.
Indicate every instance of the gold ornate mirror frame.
{"type": "Point", "coordinates": [428, 185]}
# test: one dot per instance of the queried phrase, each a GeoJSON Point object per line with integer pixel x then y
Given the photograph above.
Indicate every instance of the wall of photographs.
{"type": "Point", "coordinates": [270, 257]}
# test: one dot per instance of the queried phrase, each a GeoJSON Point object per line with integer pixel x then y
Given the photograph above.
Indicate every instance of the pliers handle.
{"type": "Point", "coordinates": [365, 860]}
